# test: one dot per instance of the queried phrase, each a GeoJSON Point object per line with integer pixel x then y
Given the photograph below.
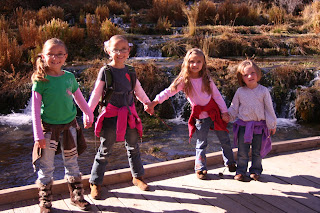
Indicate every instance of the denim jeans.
{"type": "Point", "coordinates": [243, 154]}
{"type": "Point", "coordinates": [202, 130]}
{"type": "Point", "coordinates": [107, 139]}
{"type": "Point", "coordinates": [46, 162]}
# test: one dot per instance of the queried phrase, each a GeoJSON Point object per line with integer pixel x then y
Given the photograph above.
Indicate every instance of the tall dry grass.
{"type": "Point", "coordinates": [45, 14]}
{"type": "Point", "coordinates": [93, 25]}
{"type": "Point", "coordinates": [207, 12]}
{"type": "Point", "coordinates": [311, 16]}
{"type": "Point", "coordinates": [163, 25]}
{"type": "Point", "coordinates": [102, 11]}
{"type": "Point", "coordinates": [55, 28]}
{"type": "Point", "coordinates": [29, 34]}
{"type": "Point", "coordinates": [10, 52]}
{"type": "Point", "coordinates": [116, 7]}
{"type": "Point", "coordinates": [192, 15]}
{"type": "Point", "coordinates": [4, 24]}
{"type": "Point", "coordinates": [167, 8]}
{"type": "Point", "coordinates": [108, 29]}
{"type": "Point", "coordinates": [277, 15]}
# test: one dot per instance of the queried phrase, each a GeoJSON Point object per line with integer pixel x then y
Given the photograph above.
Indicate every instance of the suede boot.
{"type": "Point", "coordinates": [95, 191]}
{"type": "Point", "coordinates": [76, 193]}
{"type": "Point", "coordinates": [45, 196]}
{"type": "Point", "coordinates": [140, 183]}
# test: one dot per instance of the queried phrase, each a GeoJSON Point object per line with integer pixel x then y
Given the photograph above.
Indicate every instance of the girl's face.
{"type": "Point", "coordinates": [119, 51]}
{"type": "Point", "coordinates": [195, 65]}
{"type": "Point", "coordinates": [54, 56]}
{"type": "Point", "coordinates": [250, 77]}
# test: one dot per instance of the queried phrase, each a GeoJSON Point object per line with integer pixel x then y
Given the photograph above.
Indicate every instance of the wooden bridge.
{"type": "Point", "coordinates": [290, 183]}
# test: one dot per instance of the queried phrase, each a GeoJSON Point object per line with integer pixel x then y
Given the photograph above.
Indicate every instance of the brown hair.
{"type": "Point", "coordinates": [41, 67]}
{"type": "Point", "coordinates": [184, 75]}
{"type": "Point", "coordinates": [242, 66]}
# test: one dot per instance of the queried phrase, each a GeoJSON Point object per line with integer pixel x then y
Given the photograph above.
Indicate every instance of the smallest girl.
{"type": "Point", "coordinates": [256, 120]}
{"type": "Point", "coordinates": [53, 114]}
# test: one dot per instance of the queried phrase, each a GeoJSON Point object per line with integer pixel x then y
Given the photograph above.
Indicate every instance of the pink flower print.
{"type": "Point", "coordinates": [128, 77]}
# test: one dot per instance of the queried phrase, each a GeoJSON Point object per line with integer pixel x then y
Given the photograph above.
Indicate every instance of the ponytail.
{"type": "Point", "coordinates": [40, 72]}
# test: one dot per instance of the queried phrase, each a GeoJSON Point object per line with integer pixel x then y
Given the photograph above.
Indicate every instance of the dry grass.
{"type": "Point", "coordinates": [93, 25]}
{"type": "Point", "coordinates": [116, 7]}
{"type": "Point", "coordinates": [103, 12]}
{"type": "Point", "coordinates": [45, 14]}
{"type": "Point", "coordinates": [311, 16]}
{"type": "Point", "coordinates": [29, 34]}
{"type": "Point", "coordinates": [10, 53]}
{"type": "Point", "coordinates": [108, 29]}
{"type": "Point", "coordinates": [163, 25]}
{"type": "Point", "coordinates": [167, 8]}
{"type": "Point", "coordinates": [192, 15]}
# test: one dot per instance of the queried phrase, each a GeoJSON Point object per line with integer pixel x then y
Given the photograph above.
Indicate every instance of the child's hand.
{"type": "Point", "coordinates": [272, 131]}
{"type": "Point", "coordinates": [225, 117]}
{"type": "Point", "coordinates": [42, 143]}
{"type": "Point", "coordinates": [148, 107]}
{"type": "Point", "coordinates": [87, 120]}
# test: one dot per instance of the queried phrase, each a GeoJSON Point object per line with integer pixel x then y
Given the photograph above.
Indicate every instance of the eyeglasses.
{"type": "Point", "coordinates": [120, 51]}
{"type": "Point", "coordinates": [60, 55]}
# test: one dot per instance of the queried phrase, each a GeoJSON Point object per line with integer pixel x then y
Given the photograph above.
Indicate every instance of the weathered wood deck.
{"type": "Point", "coordinates": [290, 183]}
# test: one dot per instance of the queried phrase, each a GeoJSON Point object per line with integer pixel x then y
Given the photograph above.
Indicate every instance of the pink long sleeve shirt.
{"type": "Point", "coordinates": [197, 97]}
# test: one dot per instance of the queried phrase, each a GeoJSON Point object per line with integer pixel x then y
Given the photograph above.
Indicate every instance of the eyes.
{"type": "Point", "coordinates": [60, 55]}
{"type": "Point", "coordinates": [116, 51]}
{"type": "Point", "coordinates": [251, 74]}
{"type": "Point", "coordinates": [195, 62]}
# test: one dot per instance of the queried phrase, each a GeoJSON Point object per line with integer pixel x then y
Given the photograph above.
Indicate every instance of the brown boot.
{"type": "Point", "coordinates": [76, 193]}
{"type": "Point", "coordinates": [45, 196]}
{"type": "Point", "coordinates": [95, 191]}
{"type": "Point", "coordinates": [140, 183]}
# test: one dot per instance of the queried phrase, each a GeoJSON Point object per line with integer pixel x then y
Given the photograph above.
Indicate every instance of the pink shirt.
{"type": "Point", "coordinates": [197, 97]}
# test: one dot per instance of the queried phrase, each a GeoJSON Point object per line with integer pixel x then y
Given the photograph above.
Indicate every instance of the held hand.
{"type": "Point", "coordinates": [272, 131]}
{"type": "Point", "coordinates": [149, 108]}
{"type": "Point", "coordinates": [87, 121]}
{"type": "Point", "coordinates": [225, 117]}
{"type": "Point", "coordinates": [42, 143]}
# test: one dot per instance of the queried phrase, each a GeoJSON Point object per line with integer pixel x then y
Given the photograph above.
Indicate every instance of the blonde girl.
{"type": "Point", "coordinates": [118, 120]}
{"type": "Point", "coordinates": [208, 108]}
{"type": "Point", "coordinates": [54, 113]}
{"type": "Point", "coordinates": [255, 120]}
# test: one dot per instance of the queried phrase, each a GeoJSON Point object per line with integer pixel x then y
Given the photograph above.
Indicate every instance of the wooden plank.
{"type": "Point", "coordinates": [28, 206]}
{"type": "Point", "coordinates": [6, 208]}
{"type": "Point", "coordinates": [134, 201]}
{"type": "Point", "coordinates": [109, 202]}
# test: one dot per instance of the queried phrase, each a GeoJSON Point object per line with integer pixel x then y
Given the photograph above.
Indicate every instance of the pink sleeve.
{"type": "Point", "coordinates": [96, 94]}
{"type": "Point", "coordinates": [81, 102]}
{"type": "Point", "coordinates": [167, 93]}
{"type": "Point", "coordinates": [140, 93]}
{"type": "Point", "coordinates": [36, 117]}
{"type": "Point", "coordinates": [218, 98]}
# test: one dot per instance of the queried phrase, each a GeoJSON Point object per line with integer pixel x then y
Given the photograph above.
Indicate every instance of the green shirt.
{"type": "Point", "coordinates": [57, 100]}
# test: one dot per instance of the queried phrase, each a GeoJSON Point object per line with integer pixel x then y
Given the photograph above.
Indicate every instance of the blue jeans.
{"type": "Point", "coordinates": [107, 139]}
{"type": "Point", "coordinates": [202, 130]}
{"type": "Point", "coordinates": [243, 153]}
{"type": "Point", "coordinates": [46, 162]}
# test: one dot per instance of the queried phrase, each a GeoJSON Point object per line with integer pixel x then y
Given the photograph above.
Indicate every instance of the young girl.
{"type": "Point", "coordinates": [53, 113]}
{"type": "Point", "coordinates": [256, 120]}
{"type": "Point", "coordinates": [208, 108]}
{"type": "Point", "coordinates": [119, 120]}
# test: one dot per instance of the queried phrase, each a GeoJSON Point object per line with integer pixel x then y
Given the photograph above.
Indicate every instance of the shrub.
{"type": "Point", "coordinates": [108, 29]}
{"type": "Point", "coordinates": [277, 15]}
{"type": "Point", "coordinates": [20, 16]}
{"type": "Point", "coordinates": [163, 25]}
{"type": "Point", "coordinates": [311, 16]}
{"type": "Point", "coordinates": [54, 29]}
{"type": "Point", "coordinates": [93, 26]}
{"type": "Point", "coordinates": [307, 105]}
{"type": "Point", "coordinates": [45, 14]}
{"type": "Point", "coordinates": [116, 7]}
{"type": "Point", "coordinates": [10, 52]}
{"type": "Point", "coordinates": [4, 25]}
{"type": "Point", "coordinates": [192, 15]}
{"type": "Point", "coordinates": [102, 11]}
{"type": "Point", "coordinates": [29, 34]}
{"type": "Point", "coordinates": [207, 12]}
{"type": "Point", "coordinates": [167, 8]}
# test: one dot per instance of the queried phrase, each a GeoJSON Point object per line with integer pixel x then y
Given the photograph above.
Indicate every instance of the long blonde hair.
{"type": "Point", "coordinates": [184, 75]}
{"type": "Point", "coordinates": [242, 66]}
{"type": "Point", "coordinates": [41, 67]}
